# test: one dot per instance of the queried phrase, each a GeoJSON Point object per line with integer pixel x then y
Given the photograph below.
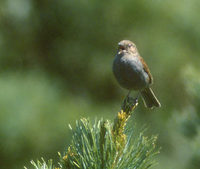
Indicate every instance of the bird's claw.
{"type": "Point", "coordinates": [129, 103]}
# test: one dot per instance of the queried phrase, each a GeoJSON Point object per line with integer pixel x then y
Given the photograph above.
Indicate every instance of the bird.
{"type": "Point", "coordinates": [132, 73]}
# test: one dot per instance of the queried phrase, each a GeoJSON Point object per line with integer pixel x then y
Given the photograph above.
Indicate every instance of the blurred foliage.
{"type": "Point", "coordinates": [55, 66]}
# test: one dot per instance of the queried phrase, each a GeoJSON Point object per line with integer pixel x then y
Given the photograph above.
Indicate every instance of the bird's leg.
{"type": "Point", "coordinates": [131, 100]}
{"type": "Point", "coordinates": [129, 103]}
{"type": "Point", "coordinates": [128, 93]}
{"type": "Point", "coordinates": [134, 101]}
{"type": "Point", "coordinates": [138, 95]}
{"type": "Point", "coordinates": [128, 97]}
{"type": "Point", "coordinates": [126, 100]}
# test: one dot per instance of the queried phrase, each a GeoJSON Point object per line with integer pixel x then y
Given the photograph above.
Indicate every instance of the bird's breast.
{"type": "Point", "coordinates": [129, 72]}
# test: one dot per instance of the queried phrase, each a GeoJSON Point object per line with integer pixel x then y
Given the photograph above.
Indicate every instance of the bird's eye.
{"type": "Point", "coordinates": [129, 45]}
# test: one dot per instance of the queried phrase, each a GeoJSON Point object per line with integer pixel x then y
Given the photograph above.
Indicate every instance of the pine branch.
{"type": "Point", "coordinates": [43, 164]}
{"type": "Point", "coordinates": [106, 145]}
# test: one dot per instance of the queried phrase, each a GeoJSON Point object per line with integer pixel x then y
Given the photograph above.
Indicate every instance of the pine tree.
{"type": "Point", "coordinates": [107, 145]}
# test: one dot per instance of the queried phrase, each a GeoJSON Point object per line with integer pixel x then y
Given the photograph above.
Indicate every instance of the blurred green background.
{"type": "Point", "coordinates": [56, 67]}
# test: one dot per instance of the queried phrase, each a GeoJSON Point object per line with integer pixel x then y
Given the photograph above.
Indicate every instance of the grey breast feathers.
{"type": "Point", "coordinates": [129, 72]}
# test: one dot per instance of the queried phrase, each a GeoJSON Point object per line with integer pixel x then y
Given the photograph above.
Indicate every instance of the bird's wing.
{"type": "Point", "coordinates": [146, 69]}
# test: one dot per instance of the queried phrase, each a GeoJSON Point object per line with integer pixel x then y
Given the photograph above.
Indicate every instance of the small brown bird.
{"type": "Point", "coordinates": [132, 72]}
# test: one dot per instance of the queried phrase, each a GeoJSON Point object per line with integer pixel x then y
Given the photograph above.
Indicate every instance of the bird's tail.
{"type": "Point", "coordinates": [149, 98]}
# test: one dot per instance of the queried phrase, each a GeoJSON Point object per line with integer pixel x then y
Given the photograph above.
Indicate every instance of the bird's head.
{"type": "Point", "coordinates": [127, 46]}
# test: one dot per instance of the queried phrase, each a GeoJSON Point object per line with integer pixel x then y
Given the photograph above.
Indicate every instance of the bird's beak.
{"type": "Point", "coordinates": [120, 46]}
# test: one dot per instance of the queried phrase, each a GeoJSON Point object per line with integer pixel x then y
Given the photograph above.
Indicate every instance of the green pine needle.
{"type": "Point", "coordinates": [106, 145]}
